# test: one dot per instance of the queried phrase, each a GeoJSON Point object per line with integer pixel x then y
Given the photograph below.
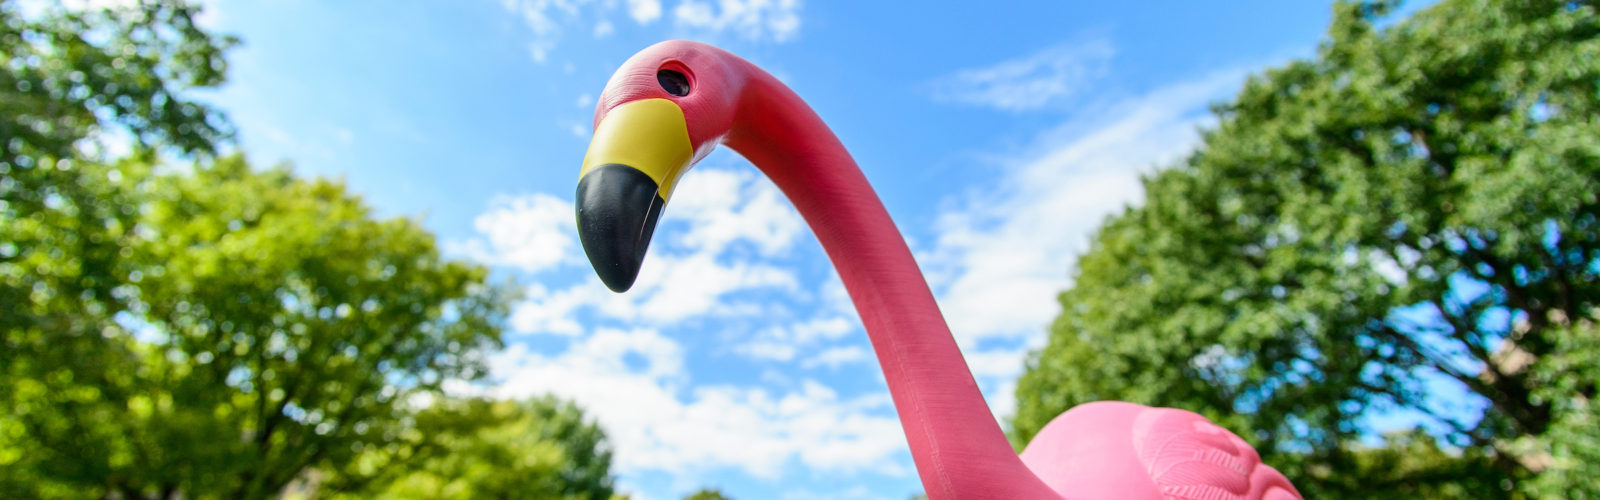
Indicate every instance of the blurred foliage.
{"type": "Point", "coordinates": [1418, 201]}
{"type": "Point", "coordinates": [467, 449]}
{"type": "Point", "coordinates": [707, 494]}
{"type": "Point", "coordinates": [255, 325]}
{"type": "Point", "coordinates": [199, 332]}
{"type": "Point", "coordinates": [70, 74]}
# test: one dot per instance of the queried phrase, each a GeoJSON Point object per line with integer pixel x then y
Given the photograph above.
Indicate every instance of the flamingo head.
{"type": "Point", "coordinates": [666, 108]}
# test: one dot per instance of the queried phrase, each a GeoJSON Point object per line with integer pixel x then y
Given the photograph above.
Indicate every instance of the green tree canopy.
{"type": "Point", "coordinates": [707, 494]}
{"type": "Point", "coordinates": [68, 78]}
{"type": "Point", "coordinates": [208, 331]}
{"type": "Point", "coordinates": [265, 325]}
{"type": "Point", "coordinates": [476, 448]}
{"type": "Point", "coordinates": [1416, 203]}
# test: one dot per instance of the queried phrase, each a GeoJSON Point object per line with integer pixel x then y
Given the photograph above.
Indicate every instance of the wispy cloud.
{"type": "Point", "coordinates": [657, 423]}
{"type": "Point", "coordinates": [838, 356]}
{"type": "Point", "coordinates": [97, 4]}
{"type": "Point", "coordinates": [1002, 266]}
{"type": "Point", "coordinates": [726, 241]}
{"type": "Point", "coordinates": [784, 342]}
{"type": "Point", "coordinates": [724, 229]}
{"type": "Point", "coordinates": [546, 19]}
{"type": "Point", "coordinates": [776, 20]}
{"type": "Point", "coordinates": [756, 20]}
{"type": "Point", "coordinates": [644, 11]}
{"type": "Point", "coordinates": [1002, 253]}
{"type": "Point", "coordinates": [711, 244]}
{"type": "Point", "coordinates": [724, 207]}
{"type": "Point", "coordinates": [531, 234]}
{"type": "Point", "coordinates": [577, 130]}
{"type": "Point", "coordinates": [343, 135]}
{"type": "Point", "coordinates": [542, 17]}
{"type": "Point", "coordinates": [671, 288]}
{"type": "Point", "coordinates": [1030, 82]}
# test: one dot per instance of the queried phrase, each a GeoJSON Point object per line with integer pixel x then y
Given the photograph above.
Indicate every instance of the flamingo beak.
{"type": "Point", "coordinates": [638, 152]}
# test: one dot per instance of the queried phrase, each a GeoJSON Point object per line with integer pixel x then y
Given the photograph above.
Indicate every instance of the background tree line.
{"type": "Point", "coordinates": [1415, 204]}
{"type": "Point", "coordinates": [178, 324]}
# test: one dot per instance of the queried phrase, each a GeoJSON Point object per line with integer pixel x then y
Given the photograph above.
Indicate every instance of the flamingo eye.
{"type": "Point", "coordinates": [673, 82]}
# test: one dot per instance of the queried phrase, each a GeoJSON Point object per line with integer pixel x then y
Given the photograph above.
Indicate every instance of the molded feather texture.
{"type": "Point", "coordinates": [1090, 452]}
{"type": "Point", "coordinates": [1190, 458]}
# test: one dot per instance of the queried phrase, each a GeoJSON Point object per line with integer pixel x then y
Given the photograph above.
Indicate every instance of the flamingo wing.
{"type": "Point", "coordinates": [1123, 450]}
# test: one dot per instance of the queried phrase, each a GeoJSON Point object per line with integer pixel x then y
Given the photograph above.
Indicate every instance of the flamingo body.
{"type": "Point", "coordinates": [1111, 449]}
{"type": "Point", "coordinates": [1106, 450]}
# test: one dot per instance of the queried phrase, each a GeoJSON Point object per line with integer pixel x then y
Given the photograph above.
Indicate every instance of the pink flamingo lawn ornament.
{"type": "Point", "coordinates": [670, 104]}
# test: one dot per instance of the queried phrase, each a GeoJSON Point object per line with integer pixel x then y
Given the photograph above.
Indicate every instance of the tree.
{"type": "Point", "coordinates": [268, 325]}
{"type": "Point", "coordinates": [1417, 203]}
{"type": "Point", "coordinates": [707, 494]}
{"type": "Point", "coordinates": [202, 332]}
{"type": "Point", "coordinates": [61, 220]}
{"type": "Point", "coordinates": [477, 448]}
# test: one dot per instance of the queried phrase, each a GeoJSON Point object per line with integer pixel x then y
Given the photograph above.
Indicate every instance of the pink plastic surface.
{"type": "Point", "coordinates": [1101, 450]}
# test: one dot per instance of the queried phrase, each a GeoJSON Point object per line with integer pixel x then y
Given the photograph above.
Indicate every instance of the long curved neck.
{"type": "Point", "coordinates": [959, 450]}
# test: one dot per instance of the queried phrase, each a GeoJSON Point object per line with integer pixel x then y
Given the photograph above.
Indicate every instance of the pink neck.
{"type": "Point", "coordinates": [958, 447]}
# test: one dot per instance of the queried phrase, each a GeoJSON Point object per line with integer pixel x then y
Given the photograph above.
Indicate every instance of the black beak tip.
{"type": "Point", "coordinates": [617, 209]}
{"type": "Point", "coordinates": [617, 277]}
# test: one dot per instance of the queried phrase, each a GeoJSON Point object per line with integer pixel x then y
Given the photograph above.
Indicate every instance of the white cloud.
{"type": "Point", "coordinates": [778, 20]}
{"type": "Point", "coordinates": [539, 50]}
{"type": "Point", "coordinates": [825, 328]}
{"type": "Point", "coordinates": [278, 135]}
{"type": "Point", "coordinates": [543, 311]}
{"type": "Point", "coordinates": [1030, 82]}
{"type": "Point", "coordinates": [577, 130]}
{"type": "Point", "coordinates": [724, 206]}
{"type": "Point", "coordinates": [548, 20]}
{"type": "Point", "coordinates": [537, 13]}
{"type": "Point", "coordinates": [690, 271]}
{"type": "Point", "coordinates": [83, 5]}
{"type": "Point", "coordinates": [768, 349]}
{"type": "Point", "coordinates": [1001, 256]}
{"type": "Point", "coordinates": [997, 363]}
{"type": "Point", "coordinates": [343, 135]}
{"type": "Point", "coordinates": [996, 371]}
{"type": "Point", "coordinates": [714, 255]}
{"type": "Point", "coordinates": [721, 208]}
{"type": "Point", "coordinates": [1002, 399]}
{"type": "Point", "coordinates": [655, 423]}
{"type": "Point", "coordinates": [835, 357]}
{"type": "Point", "coordinates": [210, 16]}
{"type": "Point", "coordinates": [853, 493]}
{"type": "Point", "coordinates": [997, 259]}
{"type": "Point", "coordinates": [783, 343]}
{"type": "Point", "coordinates": [531, 233]}
{"type": "Point", "coordinates": [670, 289]}
{"type": "Point", "coordinates": [677, 288]}
{"type": "Point", "coordinates": [1002, 253]}
{"type": "Point", "coordinates": [545, 19]}
{"type": "Point", "coordinates": [644, 11]}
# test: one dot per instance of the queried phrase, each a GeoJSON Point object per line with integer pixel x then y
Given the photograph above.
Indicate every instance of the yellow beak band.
{"type": "Point", "coordinates": [638, 152]}
{"type": "Point", "coordinates": [649, 135]}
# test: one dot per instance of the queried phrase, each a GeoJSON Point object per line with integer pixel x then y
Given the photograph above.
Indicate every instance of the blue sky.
{"type": "Point", "coordinates": [999, 134]}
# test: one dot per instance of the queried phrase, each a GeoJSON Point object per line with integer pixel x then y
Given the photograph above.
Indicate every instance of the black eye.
{"type": "Point", "coordinates": [673, 82]}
